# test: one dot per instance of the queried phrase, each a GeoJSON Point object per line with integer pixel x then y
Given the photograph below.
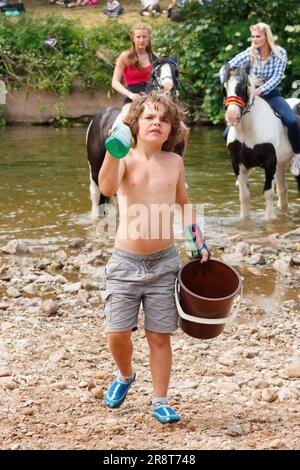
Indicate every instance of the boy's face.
{"type": "Point", "coordinates": [153, 125]}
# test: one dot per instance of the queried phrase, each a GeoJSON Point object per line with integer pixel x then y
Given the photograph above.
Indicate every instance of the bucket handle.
{"type": "Point", "coordinates": [206, 321]}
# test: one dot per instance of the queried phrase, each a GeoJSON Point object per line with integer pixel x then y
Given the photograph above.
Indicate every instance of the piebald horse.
{"type": "Point", "coordinates": [164, 78]}
{"type": "Point", "coordinates": [256, 138]}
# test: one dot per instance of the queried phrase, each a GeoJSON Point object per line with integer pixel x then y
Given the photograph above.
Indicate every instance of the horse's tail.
{"type": "Point", "coordinates": [87, 132]}
{"type": "Point", "coordinates": [298, 182]}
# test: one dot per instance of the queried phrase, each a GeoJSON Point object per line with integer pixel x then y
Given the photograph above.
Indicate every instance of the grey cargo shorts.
{"type": "Point", "coordinates": [148, 279]}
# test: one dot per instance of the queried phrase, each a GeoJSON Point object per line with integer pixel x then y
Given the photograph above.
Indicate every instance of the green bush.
{"type": "Point", "coordinates": [26, 61]}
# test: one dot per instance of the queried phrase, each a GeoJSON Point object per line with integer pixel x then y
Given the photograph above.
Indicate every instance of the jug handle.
{"type": "Point", "coordinates": [206, 321]}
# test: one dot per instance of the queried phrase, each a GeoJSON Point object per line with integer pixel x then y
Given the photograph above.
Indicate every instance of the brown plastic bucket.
{"type": "Point", "coordinates": [204, 296]}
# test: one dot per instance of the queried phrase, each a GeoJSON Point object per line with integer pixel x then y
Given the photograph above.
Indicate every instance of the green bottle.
{"type": "Point", "coordinates": [118, 143]}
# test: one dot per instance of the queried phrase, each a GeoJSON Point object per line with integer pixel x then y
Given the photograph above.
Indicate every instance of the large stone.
{"type": "Point", "coordinates": [234, 259]}
{"type": "Point", "coordinates": [235, 430]}
{"type": "Point", "coordinates": [286, 394]}
{"type": "Point", "coordinates": [293, 370]}
{"type": "Point", "coordinates": [295, 261]}
{"type": "Point", "coordinates": [29, 289]}
{"type": "Point", "coordinates": [97, 392]}
{"type": "Point", "coordinates": [269, 396]}
{"type": "Point", "coordinates": [50, 307]}
{"type": "Point", "coordinates": [242, 248]}
{"type": "Point", "coordinates": [13, 292]}
{"type": "Point", "coordinates": [57, 356]}
{"type": "Point", "coordinates": [70, 288]}
{"type": "Point", "coordinates": [292, 234]}
{"type": "Point", "coordinates": [226, 361]}
{"type": "Point", "coordinates": [257, 258]}
{"type": "Point", "coordinates": [15, 246]}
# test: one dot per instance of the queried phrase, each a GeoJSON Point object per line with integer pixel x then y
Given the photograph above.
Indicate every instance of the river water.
{"type": "Point", "coordinates": [44, 183]}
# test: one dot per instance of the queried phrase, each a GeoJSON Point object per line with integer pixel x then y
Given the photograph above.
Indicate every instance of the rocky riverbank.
{"type": "Point", "coordinates": [238, 391]}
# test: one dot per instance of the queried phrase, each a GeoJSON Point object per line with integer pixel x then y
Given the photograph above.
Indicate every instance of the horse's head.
{"type": "Point", "coordinates": [165, 76]}
{"type": "Point", "coordinates": [236, 91]}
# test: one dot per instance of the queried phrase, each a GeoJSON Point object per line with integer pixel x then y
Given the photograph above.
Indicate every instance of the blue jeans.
{"type": "Point", "coordinates": [287, 115]}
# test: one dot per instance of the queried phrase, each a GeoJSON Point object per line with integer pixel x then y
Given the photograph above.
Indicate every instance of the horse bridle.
{"type": "Point", "coordinates": [239, 101]}
{"type": "Point", "coordinates": [156, 80]}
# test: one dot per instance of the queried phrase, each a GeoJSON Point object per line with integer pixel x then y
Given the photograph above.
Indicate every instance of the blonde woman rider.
{"type": "Point", "coordinates": [268, 62]}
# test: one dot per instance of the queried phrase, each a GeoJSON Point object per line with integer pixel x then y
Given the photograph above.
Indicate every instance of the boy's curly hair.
{"type": "Point", "coordinates": [172, 113]}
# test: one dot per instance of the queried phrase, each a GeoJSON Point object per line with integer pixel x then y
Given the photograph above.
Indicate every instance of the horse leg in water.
{"type": "Point", "coordinates": [281, 186]}
{"type": "Point", "coordinates": [270, 169]}
{"type": "Point", "coordinates": [244, 192]}
{"type": "Point", "coordinates": [95, 197]}
{"type": "Point", "coordinates": [96, 133]}
{"type": "Point", "coordinates": [241, 173]}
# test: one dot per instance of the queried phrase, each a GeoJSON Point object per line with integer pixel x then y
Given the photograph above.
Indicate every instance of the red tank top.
{"type": "Point", "coordinates": [133, 76]}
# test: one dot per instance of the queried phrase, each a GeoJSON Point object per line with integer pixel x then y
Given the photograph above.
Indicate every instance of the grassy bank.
{"type": "Point", "coordinates": [92, 16]}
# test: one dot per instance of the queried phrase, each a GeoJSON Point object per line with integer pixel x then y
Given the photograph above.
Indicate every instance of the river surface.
{"type": "Point", "coordinates": [44, 183]}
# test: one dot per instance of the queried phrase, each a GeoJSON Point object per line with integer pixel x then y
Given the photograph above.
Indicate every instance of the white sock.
{"type": "Point", "coordinates": [160, 401]}
{"type": "Point", "coordinates": [125, 379]}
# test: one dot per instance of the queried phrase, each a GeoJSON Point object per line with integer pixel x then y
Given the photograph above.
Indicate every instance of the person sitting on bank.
{"type": "Point", "coordinates": [81, 3]}
{"type": "Point", "coordinates": [12, 6]}
{"type": "Point", "coordinates": [113, 9]}
{"type": "Point", "coordinates": [150, 7]}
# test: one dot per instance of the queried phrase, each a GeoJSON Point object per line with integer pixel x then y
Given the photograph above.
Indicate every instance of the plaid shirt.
{"type": "Point", "coordinates": [270, 72]}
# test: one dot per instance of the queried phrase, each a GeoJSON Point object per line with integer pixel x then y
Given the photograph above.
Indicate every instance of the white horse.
{"type": "Point", "coordinates": [256, 138]}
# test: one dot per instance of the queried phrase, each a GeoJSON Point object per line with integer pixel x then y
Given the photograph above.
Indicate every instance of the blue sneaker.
{"type": "Point", "coordinates": [165, 414]}
{"type": "Point", "coordinates": [117, 392]}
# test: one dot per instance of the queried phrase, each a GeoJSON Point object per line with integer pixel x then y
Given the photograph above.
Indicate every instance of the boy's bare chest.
{"type": "Point", "coordinates": [151, 177]}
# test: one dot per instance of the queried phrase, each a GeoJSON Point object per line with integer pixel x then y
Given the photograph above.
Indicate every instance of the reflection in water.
{"type": "Point", "coordinates": [44, 182]}
{"type": "Point", "coordinates": [267, 289]}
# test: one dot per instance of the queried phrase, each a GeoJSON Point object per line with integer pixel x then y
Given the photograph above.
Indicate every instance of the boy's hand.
{"type": "Point", "coordinates": [203, 253]}
{"type": "Point", "coordinates": [197, 243]}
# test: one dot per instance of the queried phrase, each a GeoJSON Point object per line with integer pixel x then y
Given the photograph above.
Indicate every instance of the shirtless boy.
{"type": "Point", "coordinates": [144, 264]}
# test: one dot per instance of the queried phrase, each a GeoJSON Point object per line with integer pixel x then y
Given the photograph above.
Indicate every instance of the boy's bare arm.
{"type": "Point", "coordinates": [111, 175]}
{"type": "Point", "coordinates": [188, 217]}
{"type": "Point", "coordinates": [182, 197]}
